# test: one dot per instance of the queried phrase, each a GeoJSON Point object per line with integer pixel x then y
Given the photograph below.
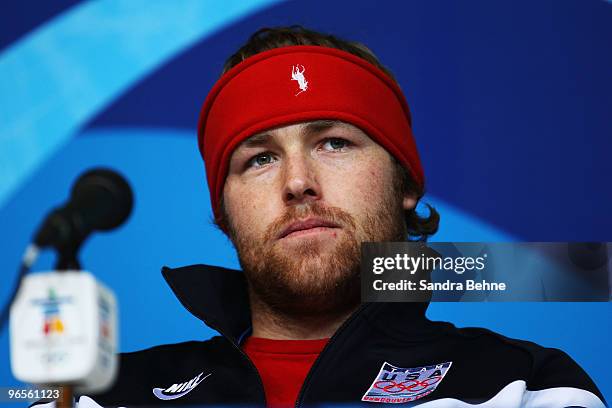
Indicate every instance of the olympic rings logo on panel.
{"type": "Point", "coordinates": [408, 385]}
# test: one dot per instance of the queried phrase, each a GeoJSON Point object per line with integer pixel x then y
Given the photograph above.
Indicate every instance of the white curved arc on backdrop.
{"type": "Point", "coordinates": [61, 74]}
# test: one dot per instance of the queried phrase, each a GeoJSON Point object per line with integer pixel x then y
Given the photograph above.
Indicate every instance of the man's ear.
{"type": "Point", "coordinates": [410, 200]}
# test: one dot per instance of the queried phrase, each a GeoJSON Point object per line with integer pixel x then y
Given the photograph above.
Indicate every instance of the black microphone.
{"type": "Point", "coordinates": [588, 255]}
{"type": "Point", "coordinates": [591, 260]}
{"type": "Point", "coordinates": [100, 199]}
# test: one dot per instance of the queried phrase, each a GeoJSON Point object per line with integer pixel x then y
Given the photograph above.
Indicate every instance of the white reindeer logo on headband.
{"type": "Point", "coordinates": [297, 74]}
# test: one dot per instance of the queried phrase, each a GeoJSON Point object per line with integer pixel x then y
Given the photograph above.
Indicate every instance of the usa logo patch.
{"type": "Point", "coordinates": [397, 385]}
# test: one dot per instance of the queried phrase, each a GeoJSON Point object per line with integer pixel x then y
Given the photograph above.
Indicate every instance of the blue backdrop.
{"type": "Point", "coordinates": [511, 103]}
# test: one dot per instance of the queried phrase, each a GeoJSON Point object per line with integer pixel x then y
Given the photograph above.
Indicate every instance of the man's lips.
{"type": "Point", "coordinates": [307, 224]}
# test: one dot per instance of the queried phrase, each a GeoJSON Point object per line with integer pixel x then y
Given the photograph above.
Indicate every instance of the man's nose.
{"type": "Point", "coordinates": [299, 180]}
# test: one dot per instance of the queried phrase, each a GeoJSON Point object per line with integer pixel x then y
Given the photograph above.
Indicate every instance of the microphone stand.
{"type": "Point", "coordinates": [66, 397]}
{"type": "Point", "coordinates": [67, 260]}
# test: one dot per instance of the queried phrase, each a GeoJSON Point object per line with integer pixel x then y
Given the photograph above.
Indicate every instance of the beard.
{"type": "Point", "coordinates": [312, 277]}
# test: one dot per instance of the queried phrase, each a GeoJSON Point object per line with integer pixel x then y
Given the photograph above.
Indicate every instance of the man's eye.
{"type": "Point", "coordinates": [260, 160]}
{"type": "Point", "coordinates": [335, 144]}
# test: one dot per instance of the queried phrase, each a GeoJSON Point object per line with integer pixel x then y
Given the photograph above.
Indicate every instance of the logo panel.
{"type": "Point", "coordinates": [397, 385]}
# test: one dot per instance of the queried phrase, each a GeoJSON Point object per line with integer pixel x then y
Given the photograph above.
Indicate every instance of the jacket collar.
{"type": "Point", "coordinates": [219, 297]}
{"type": "Point", "coordinates": [215, 295]}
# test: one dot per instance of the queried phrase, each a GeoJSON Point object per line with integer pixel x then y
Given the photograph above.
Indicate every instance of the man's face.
{"type": "Point", "coordinates": [299, 201]}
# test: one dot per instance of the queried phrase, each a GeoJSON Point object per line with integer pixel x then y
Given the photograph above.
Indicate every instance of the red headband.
{"type": "Point", "coordinates": [298, 84]}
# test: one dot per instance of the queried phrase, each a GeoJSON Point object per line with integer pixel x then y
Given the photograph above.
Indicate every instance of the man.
{"type": "Point", "coordinates": [309, 152]}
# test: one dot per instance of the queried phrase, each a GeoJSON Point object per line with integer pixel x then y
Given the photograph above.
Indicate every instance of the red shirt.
{"type": "Point", "coordinates": [283, 366]}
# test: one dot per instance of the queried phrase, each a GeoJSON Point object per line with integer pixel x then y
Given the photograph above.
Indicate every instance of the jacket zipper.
{"type": "Point", "coordinates": [251, 364]}
{"type": "Point", "coordinates": [244, 355]}
{"type": "Point", "coordinates": [329, 344]}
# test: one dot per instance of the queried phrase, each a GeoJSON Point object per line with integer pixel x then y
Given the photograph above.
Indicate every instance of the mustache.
{"type": "Point", "coordinates": [329, 214]}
